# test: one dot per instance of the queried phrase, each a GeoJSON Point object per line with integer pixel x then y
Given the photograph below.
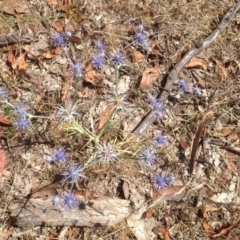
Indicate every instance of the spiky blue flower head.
{"type": "Point", "coordinates": [196, 91]}
{"type": "Point", "coordinates": [106, 153]}
{"type": "Point", "coordinates": [160, 181]}
{"type": "Point", "coordinates": [21, 110]}
{"type": "Point", "coordinates": [69, 201]}
{"type": "Point", "coordinates": [141, 39]}
{"type": "Point", "coordinates": [183, 86]}
{"type": "Point", "coordinates": [157, 105]}
{"type": "Point", "coordinates": [155, 102]}
{"type": "Point", "coordinates": [68, 111]}
{"type": "Point", "coordinates": [117, 58]}
{"type": "Point", "coordinates": [148, 155]}
{"type": "Point", "coordinates": [73, 172]}
{"type": "Point", "coordinates": [98, 62]}
{"type": "Point", "coordinates": [100, 46]}
{"type": "Point", "coordinates": [3, 93]}
{"type": "Point", "coordinates": [76, 69]}
{"type": "Point", "coordinates": [58, 40]}
{"type": "Point", "coordinates": [59, 155]}
{"type": "Point", "coordinates": [21, 123]}
{"type": "Point", "coordinates": [160, 140]}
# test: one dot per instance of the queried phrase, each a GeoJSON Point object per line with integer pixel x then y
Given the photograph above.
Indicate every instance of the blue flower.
{"type": "Point", "coordinates": [183, 86]}
{"type": "Point", "coordinates": [68, 111]}
{"type": "Point", "coordinates": [160, 140]}
{"type": "Point", "coordinates": [100, 46]}
{"type": "Point", "coordinates": [21, 110]}
{"type": "Point", "coordinates": [22, 123]}
{"type": "Point", "coordinates": [117, 58]}
{"type": "Point", "coordinates": [76, 69]}
{"type": "Point", "coordinates": [157, 105]}
{"type": "Point", "coordinates": [69, 201]}
{"type": "Point", "coordinates": [59, 155]}
{"type": "Point", "coordinates": [98, 62]}
{"type": "Point", "coordinates": [58, 40]}
{"type": "Point", "coordinates": [196, 91]}
{"type": "Point", "coordinates": [73, 172]}
{"type": "Point", "coordinates": [106, 152]}
{"type": "Point", "coordinates": [3, 93]}
{"type": "Point", "coordinates": [148, 155]}
{"type": "Point", "coordinates": [141, 39]}
{"type": "Point", "coordinates": [162, 180]}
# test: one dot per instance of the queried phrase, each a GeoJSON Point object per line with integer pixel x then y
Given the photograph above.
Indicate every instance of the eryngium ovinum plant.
{"type": "Point", "coordinates": [103, 152]}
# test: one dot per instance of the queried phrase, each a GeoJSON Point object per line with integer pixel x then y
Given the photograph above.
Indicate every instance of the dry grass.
{"type": "Point", "coordinates": [175, 27]}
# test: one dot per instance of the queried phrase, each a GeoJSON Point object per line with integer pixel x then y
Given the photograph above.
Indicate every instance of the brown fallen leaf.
{"type": "Point", "coordinates": [226, 231]}
{"type": "Point", "coordinates": [184, 144]}
{"type": "Point", "coordinates": [208, 208]}
{"type": "Point", "coordinates": [105, 115]}
{"type": "Point", "coordinates": [149, 76]}
{"type": "Point", "coordinates": [163, 232]}
{"type": "Point", "coordinates": [12, 6]}
{"type": "Point", "coordinates": [137, 56]}
{"type": "Point", "coordinates": [197, 138]}
{"type": "Point", "coordinates": [196, 62]}
{"type": "Point", "coordinates": [11, 58]}
{"type": "Point", "coordinates": [209, 231]}
{"type": "Point", "coordinates": [2, 160]}
{"type": "Point", "coordinates": [223, 132]}
{"type": "Point", "coordinates": [5, 121]}
{"type": "Point", "coordinates": [145, 8]}
{"type": "Point", "coordinates": [233, 136]}
{"type": "Point", "coordinates": [90, 74]}
{"type": "Point", "coordinates": [52, 53]}
{"type": "Point", "coordinates": [221, 70]}
{"type": "Point", "coordinates": [20, 63]}
{"type": "Point", "coordinates": [58, 26]}
{"type": "Point", "coordinates": [52, 2]}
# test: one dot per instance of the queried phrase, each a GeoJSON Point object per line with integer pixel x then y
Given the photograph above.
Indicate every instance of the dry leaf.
{"type": "Point", "coordinates": [145, 8]}
{"type": "Point", "coordinates": [45, 192]}
{"type": "Point", "coordinates": [58, 26]}
{"type": "Point", "coordinates": [221, 70]}
{"type": "Point", "coordinates": [163, 232]}
{"type": "Point", "coordinates": [12, 6]}
{"type": "Point", "coordinates": [63, 233]}
{"type": "Point", "coordinates": [137, 56]}
{"type": "Point", "coordinates": [90, 74]}
{"type": "Point", "coordinates": [197, 138]}
{"type": "Point", "coordinates": [223, 132]}
{"type": "Point", "coordinates": [184, 145]}
{"type": "Point", "coordinates": [20, 63]}
{"type": "Point", "coordinates": [196, 62]}
{"type": "Point", "coordinates": [5, 121]}
{"type": "Point", "coordinates": [2, 160]}
{"type": "Point", "coordinates": [52, 2]}
{"type": "Point", "coordinates": [226, 231]}
{"type": "Point", "coordinates": [149, 76]}
{"type": "Point", "coordinates": [105, 116]}
{"type": "Point", "coordinates": [208, 208]}
{"type": "Point", "coordinates": [52, 53]}
{"type": "Point", "coordinates": [209, 231]}
{"type": "Point", "coordinates": [11, 58]}
{"type": "Point", "coordinates": [75, 39]}
{"type": "Point", "coordinates": [232, 137]}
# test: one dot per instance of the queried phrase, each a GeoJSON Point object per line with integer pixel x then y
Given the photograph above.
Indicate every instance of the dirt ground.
{"type": "Point", "coordinates": [71, 164]}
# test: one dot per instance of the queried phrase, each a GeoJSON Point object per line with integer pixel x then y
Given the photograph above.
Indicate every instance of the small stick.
{"type": "Point", "coordinates": [173, 76]}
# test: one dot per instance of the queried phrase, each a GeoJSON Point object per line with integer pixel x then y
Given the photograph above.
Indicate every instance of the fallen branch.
{"type": "Point", "coordinates": [97, 212]}
{"type": "Point", "coordinates": [173, 76]}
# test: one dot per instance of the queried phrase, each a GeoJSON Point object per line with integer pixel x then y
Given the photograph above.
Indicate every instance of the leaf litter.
{"type": "Point", "coordinates": [151, 213]}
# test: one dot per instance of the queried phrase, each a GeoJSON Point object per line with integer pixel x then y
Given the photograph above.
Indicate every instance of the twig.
{"type": "Point", "coordinates": [173, 76]}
